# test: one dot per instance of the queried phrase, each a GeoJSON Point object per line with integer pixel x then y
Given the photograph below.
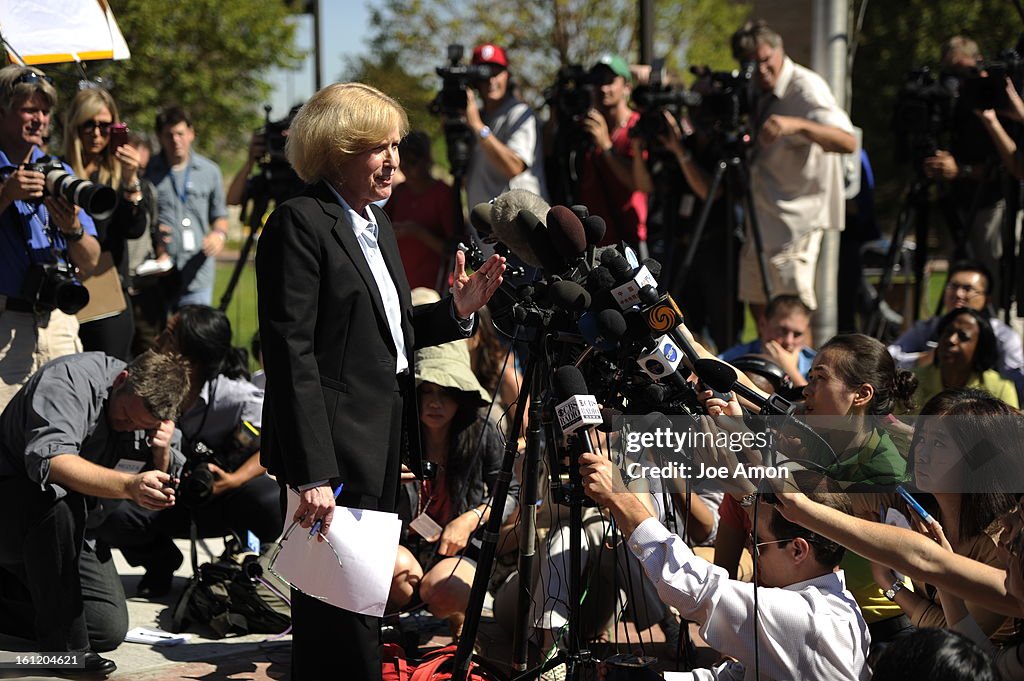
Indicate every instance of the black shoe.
{"type": "Point", "coordinates": [159, 576]}
{"type": "Point", "coordinates": [95, 667]}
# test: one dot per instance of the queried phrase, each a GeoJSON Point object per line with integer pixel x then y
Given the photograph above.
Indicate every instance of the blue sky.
{"type": "Point", "coordinates": [343, 26]}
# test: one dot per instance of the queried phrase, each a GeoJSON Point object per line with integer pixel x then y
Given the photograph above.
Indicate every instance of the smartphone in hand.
{"type": "Point", "coordinates": [118, 136]}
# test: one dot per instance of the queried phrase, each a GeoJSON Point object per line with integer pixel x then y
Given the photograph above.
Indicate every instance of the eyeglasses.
{"type": "Point", "coordinates": [968, 290]}
{"type": "Point", "coordinates": [32, 78]}
{"type": "Point", "coordinates": [755, 547]}
{"type": "Point", "coordinates": [280, 545]}
{"type": "Point", "coordinates": [90, 126]}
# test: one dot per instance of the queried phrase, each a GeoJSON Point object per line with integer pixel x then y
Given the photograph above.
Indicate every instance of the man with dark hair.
{"type": "Point", "coordinates": [192, 211]}
{"type": "Point", "coordinates": [614, 181]}
{"type": "Point", "coordinates": [35, 232]}
{"type": "Point", "coordinates": [807, 624]}
{"type": "Point", "coordinates": [85, 427]}
{"type": "Point", "coordinates": [507, 154]}
{"type": "Point", "coordinates": [795, 170]}
{"type": "Point", "coordinates": [968, 284]}
{"type": "Point", "coordinates": [782, 332]}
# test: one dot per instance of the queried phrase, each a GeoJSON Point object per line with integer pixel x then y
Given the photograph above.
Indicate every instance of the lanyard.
{"type": "Point", "coordinates": [182, 193]}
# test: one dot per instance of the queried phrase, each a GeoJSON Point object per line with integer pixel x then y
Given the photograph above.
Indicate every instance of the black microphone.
{"type": "Point", "coordinates": [594, 227]}
{"type": "Point", "coordinates": [506, 229]}
{"type": "Point", "coordinates": [580, 211]}
{"type": "Point", "coordinates": [480, 218]}
{"type": "Point", "coordinates": [540, 242]}
{"type": "Point", "coordinates": [722, 378]}
{"type": "Point", "coordinates": [568, 295]}
{"type": "Point", "coordinates": [628, 282]}
{"type": "Point", "coordinates": [603, 329]}
{"type": "Point", "coordinates": [576, 411]}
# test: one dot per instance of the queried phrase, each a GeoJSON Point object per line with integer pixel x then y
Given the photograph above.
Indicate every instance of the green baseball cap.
{"type": "Point", "coordinates": [616, 63]}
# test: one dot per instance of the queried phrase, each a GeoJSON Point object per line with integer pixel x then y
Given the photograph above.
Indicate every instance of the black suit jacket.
{"type": "Point", "coordinates": [329, 356]}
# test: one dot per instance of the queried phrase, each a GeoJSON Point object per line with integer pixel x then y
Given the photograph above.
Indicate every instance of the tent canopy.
{"type": "Point", "coordinates": [48, 32]}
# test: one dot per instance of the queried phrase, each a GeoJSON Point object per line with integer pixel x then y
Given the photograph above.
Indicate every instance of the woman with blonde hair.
{"type": "Point", "coordinates": [88, 150]}
{"type": "Point", "coordinates": [338, 330]}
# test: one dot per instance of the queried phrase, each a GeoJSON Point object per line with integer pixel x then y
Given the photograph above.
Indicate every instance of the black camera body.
{"type": "Point", "coordinates": [54, 286]}
{"type": "Point", "coordinates": [450, 103]}
{"type": "Point", "coordinates": [196, 486]}
{"type": "Point", "coordinates": [572, 95]}
{"type": "Point", "coordinates": [98, 200]}
{"type": "Point", "coordinates": [277, 180]}
{"type": "Point", "coordinates": [653, 101]}
{"type": "Point", "coordinates": [922, 115]}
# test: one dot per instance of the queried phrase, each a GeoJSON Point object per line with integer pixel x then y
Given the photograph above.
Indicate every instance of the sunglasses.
{"type": "Point", "coordinates": [31, 77]}
{"type": "Point", "coordinates": [90, 126]}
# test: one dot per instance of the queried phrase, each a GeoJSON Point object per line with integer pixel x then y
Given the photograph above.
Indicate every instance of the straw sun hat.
{"type": "Point", "coordinates": [448, 366]}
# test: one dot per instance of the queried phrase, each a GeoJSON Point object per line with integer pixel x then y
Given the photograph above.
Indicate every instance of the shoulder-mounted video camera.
{"type": "Point", "coordinates": [456, 77]}
{"type": "Point", "coordinates": [573, 93]}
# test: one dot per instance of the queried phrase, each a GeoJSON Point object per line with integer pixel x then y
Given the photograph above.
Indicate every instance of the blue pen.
{"type": "Point", "coordinates": [912, 502]}
{"type": "Point", "coordinates": [316, 526]}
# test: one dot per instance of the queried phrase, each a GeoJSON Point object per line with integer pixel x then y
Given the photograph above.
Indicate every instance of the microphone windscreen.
{"type": "Point", "coordinates": [594, 228]}
{"type": "Point", "coordinates": [566, 232]}
{"type": "Point", "coordinates": [569, 295]}
{"type": "Point", "coordinates": [653, 266]}
{"type": "Point", "coordinates": [618, 266]}
{"type": "Point", "coordinates": [600, 280]}
{"type": "Point", "coordinates": [580, 211]}
{"type": "Point", "coordinates": [568, 381]}
{"type": "Point", "coordinates": [504, 211]}
{"type": "Point", "coordinates": [611, 324]}
{"type": "Point", "coordinates": [718, 376]}
{"type": "Point", "coordinates": [480, 218]}
{"type": "Point", "coordinates": [540, 243]}
{"type": "Point", "coordinates": [592, 333]}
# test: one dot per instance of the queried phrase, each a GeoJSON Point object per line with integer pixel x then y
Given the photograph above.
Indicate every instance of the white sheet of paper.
{"type": "Point", "coordinates": [366, 542]}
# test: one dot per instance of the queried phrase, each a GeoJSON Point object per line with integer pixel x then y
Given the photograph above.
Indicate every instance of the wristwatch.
{"type": "Point", "coordinates": [891, 592]}
{"type": "Point", "coordinates": [72, 237]}
{"type": "Point", "coordinates": [748, 500]}
{"type": "Point", "coordinates": [485, 132]}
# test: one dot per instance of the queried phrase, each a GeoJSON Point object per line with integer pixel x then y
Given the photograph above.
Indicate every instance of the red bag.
{"type": "Point", "coordinates": [437, 666]}
{"type": "Point", "coordinates": [394, 666]}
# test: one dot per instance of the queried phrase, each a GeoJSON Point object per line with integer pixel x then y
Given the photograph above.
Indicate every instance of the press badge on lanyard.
{"type": "Point", "coordinates": [188, 234]}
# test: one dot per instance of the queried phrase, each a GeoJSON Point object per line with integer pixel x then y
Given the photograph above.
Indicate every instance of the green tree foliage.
{"type": "Point", "coordinates": [898, 37]}
{"type": "Point", "coordinates": [210, 56]}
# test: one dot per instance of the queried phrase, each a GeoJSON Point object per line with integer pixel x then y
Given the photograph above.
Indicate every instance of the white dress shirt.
{"type": "Point", "coordinates": [811, 630]}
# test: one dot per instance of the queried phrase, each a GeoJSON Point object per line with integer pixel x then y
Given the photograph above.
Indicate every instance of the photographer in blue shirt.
{"type": "Point", "coordinates": [37, 231]}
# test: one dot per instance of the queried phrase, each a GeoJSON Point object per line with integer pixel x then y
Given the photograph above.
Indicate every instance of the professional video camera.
{"type": "Point", "coordinates": [727, 99]}
{"type": "Point", "coordinates": [922, 115]}
{"type": "Point", "coordinates": [98, 200]}
{"type": "Point", "coordinates": [653, 101]}
{"type": "Point", "coordinates": [450, 103]}
{"type": "Point", "coordinates": [572, 95]}
{"type": "Point", "coordinates": [277, 179]}
{"type": "Point", "coordinates": [985, 88]}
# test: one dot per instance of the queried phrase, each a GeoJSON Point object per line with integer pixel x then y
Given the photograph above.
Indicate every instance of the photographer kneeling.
{"type": "Point", "coordinates": [223, 487]}
{"type": "Point", "coordinates": [83, 428]}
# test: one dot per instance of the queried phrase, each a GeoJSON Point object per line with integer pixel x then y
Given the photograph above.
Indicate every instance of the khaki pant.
{"type": "Point", "coordinates": [28, 341]}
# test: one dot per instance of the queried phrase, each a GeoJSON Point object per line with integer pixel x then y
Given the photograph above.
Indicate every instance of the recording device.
{"type": "Point", "coordinates": [922, 115]}
{"type": "Point", "coordinates": [118, 136]}
{"type": "Point", "coordinates": [654, 100]}
{"type": "Point", "coordinates": [98, 200]}
{"type": "Point", "coordinates": [196, 480]}
{"type": "Point", "coordinates": [276, 180]}
{"type": "Point", "coordinates": [52, 286]}
{"type": "Point", "coordinates": [573, 93]}
{"type": "Point", "coordinates": [722, 378]}
{"type": "Point", "coordinates": [450, 104]}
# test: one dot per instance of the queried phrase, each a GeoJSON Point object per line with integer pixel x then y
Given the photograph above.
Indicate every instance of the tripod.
{"type": "Point", "coordinates": [732, 169]}
{"type": "Point", "coordinates": [533, 390]}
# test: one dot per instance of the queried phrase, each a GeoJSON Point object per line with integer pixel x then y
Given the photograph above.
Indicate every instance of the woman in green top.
{"type": "Point", "coordinates": [966, 354]}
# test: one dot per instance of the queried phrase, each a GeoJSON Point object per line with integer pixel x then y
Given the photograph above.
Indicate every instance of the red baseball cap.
{"type": "Point", "coordinates": [489, 53]}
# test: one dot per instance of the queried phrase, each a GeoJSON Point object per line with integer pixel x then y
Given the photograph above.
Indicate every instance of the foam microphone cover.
{"type": "Point", "coordinates": [600, 280]}
{"type": "Point", "coordinates": [580, 211]}
{"type": "Point", "coordinates": [566, 232]}
{"type": "Point", "coordinates": [568, 381]}
{"type": "Point", "coordinates": [594, 227]}
{"type": "Point", "coordinates": [590, 331]}
{"type": "Point", "coordinates": [480, 218]}
{"type": "Point", "coordinates": [540, 243]}
{"type": "Point", "coordinates": [569, 295]}
{"type": "Point", "coordinates": [653, 266]}
{"type": "Point", "coordinates": [718, 376]}
{"type": "Point", "coordinates": [504, 210]}
{"type": "Point", "coordinates": [611, 324]}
